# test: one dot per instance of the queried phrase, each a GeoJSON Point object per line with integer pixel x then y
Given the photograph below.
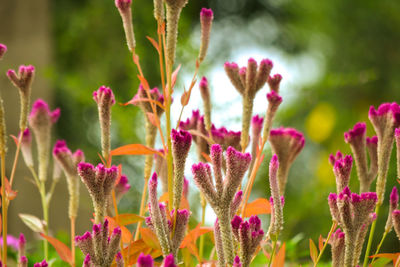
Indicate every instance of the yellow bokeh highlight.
{"type": "Point", "coordinates": [320, 122]}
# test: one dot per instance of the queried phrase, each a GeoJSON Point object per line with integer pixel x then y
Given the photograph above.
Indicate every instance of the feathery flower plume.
{"type": "Point", "coordinates": [357, 140]}
{"type": "Point", "coordinates": [206, 18]}
{"type": "Point", "coordinates": [145, 261]}
{"type": "Point", "coordinates": [337, 244]}
{"type": "Point", "coordinates": [205, 95]}
{"type": "Point", "coordinates": [99, 182]}
{"type": "Point", "coordinates": [41, 119]}
{"type": "Point", "coordinates": [68, 163]}
{"type": "Point", "coordinates": [105, 99]}
{"type": "Point", "coordinates": [354, 213]}
{"type": "Point", "coordinates": [162, 226]}
{"type": "Point", "coordinates": [3, 50]}
{"type": "Point", "coordinates": [341, 169]}
{"type": "Point", "coordinates": [286, 143]}
{"type": "Point", "coordinates": [174, 8]}
{"type": "Point", "coordinates": [274, 100]}
{"type": "Point", "coordinates": [23, 82]}
{"type": "Point", "coordinates": [396, 222]}
{"type": "Point", "coordinates": [181, 142]}
{"type": "Point", "coordinates": [276, 224]}
{"type": "Point", "coordinates": [249, 235]}
{"type": "Point", "coordinates": [221, 196]}
{"type": "Point", "coordinates": [99, 246]}
{"type": "Point", "coordinates": [150, 128]}
{"type": "Point", "coordinates": [393, 205]}
{"type": "Point", "coordinates": [124, 8]}
{"type": "Point", "coordinates": [385, 119]}
{"type": "Point", "coordinates": [248, 82]}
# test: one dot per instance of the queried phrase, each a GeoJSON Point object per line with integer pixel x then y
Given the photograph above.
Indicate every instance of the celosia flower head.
{"type": "Point", "coordinates": [342, 170]}
{"type": "Point", "coordinates": [41, 264]}
{"type": "Point", "coordinates": [274, 82]}
{"type": "Point", "coordinates": [385, 119]}
{"type": "Point", "coordinates": [145, 105]}
{"type": "Point", "coordinates": [122, 187]}
{"type": "Point", "coordinates": [286, 143]}
{"type": "Point", "coordinates": [337, 242]}
{"type": "Point", "coordinates": [124, 8]}
{"type": "Point", "coordinates": [145, 261]}
{"type": "Point", "coordinates": [393, 205]}
{"type": "Point", "coordinates": [99, 182]}
{"type": "Point", "coordinates": [396, 222]}
{"type": "Point", "coordinates": [42, 116]}
{"type": "Point", "coordinates": [236, 262]}
{"type": "Point", "coordinates": [206, 18]}
{"type": "Point", "coordinates": [169, 261]}
{"type": "Point", "coordinates": [26, 147]}
{"type": "Point", "coordinates": [3, 50]}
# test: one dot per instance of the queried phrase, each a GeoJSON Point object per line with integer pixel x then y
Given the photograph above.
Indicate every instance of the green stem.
{"type": "Point", "coordinates": [4, 207]}
{"type": "Point", "coordinates": [371, 237]}
{"type": "Point", "coordinates": [326, 243]}
{"type": "Point", "coordinates": [169, 144]}
{"type": "Point", "coordinates": [203, 217]}
{"type": "Point", "coordinates": [45, 218]}
{"type": "Point", "coordinates": [273, 251]}
{"type": "Point", "coordinates": [379, 246]}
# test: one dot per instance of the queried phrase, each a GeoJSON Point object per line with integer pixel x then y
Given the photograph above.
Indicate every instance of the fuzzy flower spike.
{"type": "Point", "coordinates": [174, 8]}
{"type": "Point", "coordinates": [338, 246]}
{"type": "Point", "coordinates": [104, 98]}
{"type": "Point", "coordinates": [393, 205]}
{"type": "Point", "coordinates": [162, 226]}
{"type": "Point", "coordinates": [385, 119]}
{"type": "Point", "coordinates": [358, 142]}
{"type": "Point", "coordinates": [181, 142]}
{"type": "Point", "coordinates": [99, 246]}
{"type": "Point", "coordinates": [249, 235]}
{"type": "Point", "coordinates": [23, 81]}
{"type": "Point", "coordinates": [274, 100]}
{"type": "Point", "coordinates": [277, 200]}
{"type": "Point", "coordinates": [341, 169]}
{"type": "Point", "coordinates": [69, 163]}
{"type": "Point", "coordinates": [99, 182]}
{"type": "Point", "coordinates": [286, 143]}
{"type": "Point", "coordinates": [124, 8]}
{"type": "Point", "coordinates": [354, 213]}
{"type": "Point", "coordinates": [248, 81]}
{"type": "Point", "coordinates": [206, 18]}
{"type": "Point", "coordinates": [205, 95]}
{"type": "Point", "coordinates": [150, 128]}
{"type": "Point", "coordinates": [222, 194]}
{"type": "Point", "coordinates": [41, 120]}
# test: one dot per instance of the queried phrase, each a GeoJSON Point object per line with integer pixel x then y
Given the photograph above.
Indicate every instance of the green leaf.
{"type": "Point", "coordinates": [33, 222]}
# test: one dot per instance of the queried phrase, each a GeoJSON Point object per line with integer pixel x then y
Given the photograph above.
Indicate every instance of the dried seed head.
{"type": "Point", "coordinates": [206, 18]}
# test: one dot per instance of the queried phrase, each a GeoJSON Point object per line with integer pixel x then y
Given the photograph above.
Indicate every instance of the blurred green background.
{"type": "Point", "coordinates": [337, 58]}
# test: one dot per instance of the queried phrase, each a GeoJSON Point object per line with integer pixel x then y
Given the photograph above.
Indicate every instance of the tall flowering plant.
{"type": "Point", "coordinates": [229, 162]}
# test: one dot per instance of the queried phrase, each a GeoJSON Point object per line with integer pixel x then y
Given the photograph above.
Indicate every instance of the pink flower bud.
{"type": "Point", "coordinates": [342, 171]}
{"type": "Point", "coordinates": [396, 222]}
{"type": "Point", "coordinates": [274, 82]}
{"type": "Point", "coordinates": [264, 70]}
{"type": "Point", "coordinates": [145, 261]}
{"type": "Point", "coordinates": [206, 18]}
{"type": "Point", "coordinates": [169, 261]}
{"type": "Point", "coordinates": [236, 262]}
{"type": "Point", "coordinates": [3, 50]}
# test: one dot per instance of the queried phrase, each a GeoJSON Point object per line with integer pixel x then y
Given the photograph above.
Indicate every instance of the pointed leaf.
{"type": "Point", "coordinates": [33, 222]}
{"type": "Point", "coordinates": [63, 251]}
{"type": "Point", "coordinates": [258, 206]}
{"type": "Point", "coordinates": [15, 139]}
{"type": "Point", "coordinates": [320, 242]}
{"type": "Point", "coordinates": [175, 75]}
{"type": "Point", "coordinates": [150, 238]}
{"type": "Point", "coordinates": [192, 236]}
{"type": "Point", "coordinates": [313, 251]}
{"type": "Point", "coordinates": [154, 43]}
{"type": "Point", "coordinates": [125, 219]}
{"type": "Point", "coordinates": [185, 98]}
{"type": "Point", "coordinates": [280, 257]}
{"type": "Point", "coordinates": [126, 235]}
{"type": "Point", "coordinates": [134, 149]}
{"type": "Point", "coordinates": [392, 256]}
{"type": "Point", "coordinates": [9, 192]}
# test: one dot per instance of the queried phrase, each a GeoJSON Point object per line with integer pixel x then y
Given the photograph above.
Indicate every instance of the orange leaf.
{"type": "Point", "coordinates": [320, 242]}
{"type": "Point", "coordinates": [392, 256]}
{"type": "Point", "coordinates": [258, 206]}
{"type": "Point", "coordinates": [9, 192]}
{"type": "Point", "coordinates": [15, 139]}
{"type": "Point", "coordinates": [280, 257]}
{"type": "Point", "coordinates": [313, 251]}
{"type": "Point", "coordinates": [126, 235]}
{"type": "Point", "coordinates": [150, 238]}
{"type": "Point", "coordinates": [136, 100]}
{"type": "Point", "coordinates": [206, 157]}
{"type": "Point", "coordinates": [193, 249]}
{"type": "Point", "coordinates": [154, 43]}
{"type": "Point", "coordinates": [125, 219]}
{"type": "Point", "coordinates": [134, 149]}
{"type": "Point", "coordinates": [185, 98]}
{"type": "Point", "coordinates": [192, 236]}
{"type": "Point", "coordinates": [134, 249]}
{"type": "Point", "coordinates": [144, 82]}
{"type": "Point", "coordinates": [63, 251]}
{"type": "Point", "coordinates": [183, 205]}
